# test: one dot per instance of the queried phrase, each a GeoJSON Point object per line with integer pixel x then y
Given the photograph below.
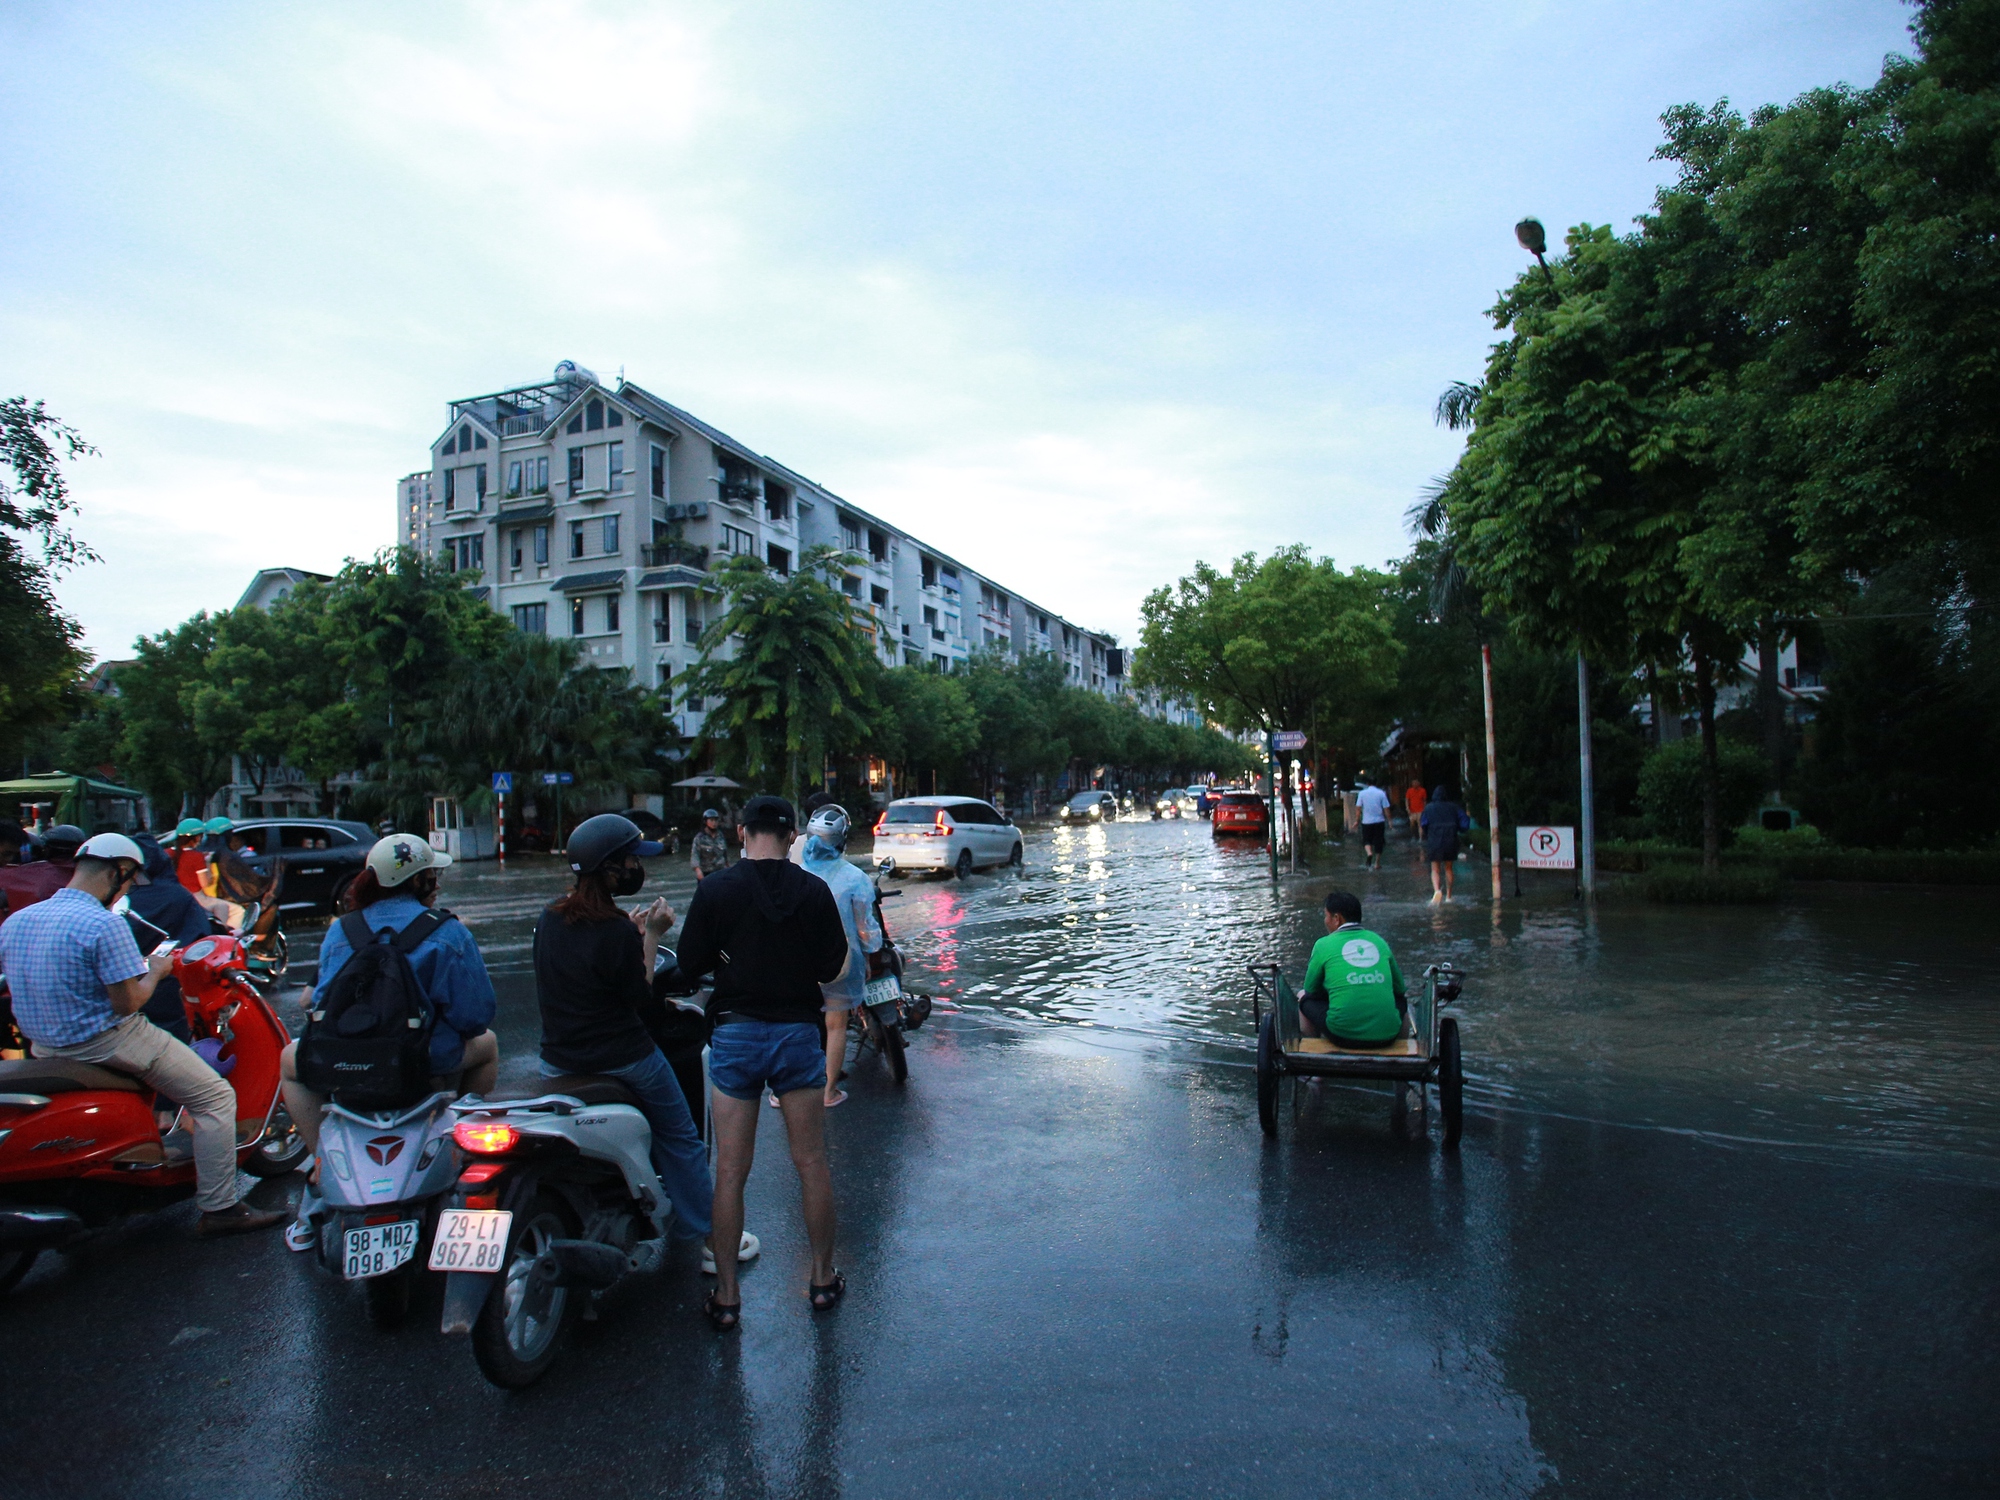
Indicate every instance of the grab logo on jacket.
{"type": "Point", "coordinates": [1361, 953]}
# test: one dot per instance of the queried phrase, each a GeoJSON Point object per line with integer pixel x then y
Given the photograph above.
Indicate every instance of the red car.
{"type": "Point", "coordinates": [1239, 812]}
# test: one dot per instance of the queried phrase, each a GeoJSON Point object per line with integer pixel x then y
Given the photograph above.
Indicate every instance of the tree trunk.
{"type": "Point", "coordinates": [1769, 643]}
{"type": "Point", "coordinates": [1711, 835]}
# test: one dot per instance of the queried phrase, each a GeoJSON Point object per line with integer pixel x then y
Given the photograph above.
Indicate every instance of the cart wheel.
{"type": "Point", "coordinates": [1451, 1081]}
{"type": "Point", "coordinates": [1267, 1074]}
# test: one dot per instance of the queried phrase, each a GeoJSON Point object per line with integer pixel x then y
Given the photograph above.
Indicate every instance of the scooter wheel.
{"type": "Point", "coordinates": [893, 1048]}
{"type": "Point", "coordinates": [521, 1329]}
{"type": "Point", "coordinates": [389, 1296]}
{"type": "Point", "coordinates": [282, 1150]}
{"type": "Point", "coordinates": [14, 1264]}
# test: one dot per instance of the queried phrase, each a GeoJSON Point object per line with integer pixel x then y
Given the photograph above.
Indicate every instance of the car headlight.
{"type": "Point", "coordinates": [1097, 812]}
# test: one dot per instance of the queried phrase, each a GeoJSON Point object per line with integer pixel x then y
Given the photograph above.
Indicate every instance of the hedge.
{"type": "Point", "coordinates": [1685, 884]}
{"type": "Point", "coordinates": [1887, 866]}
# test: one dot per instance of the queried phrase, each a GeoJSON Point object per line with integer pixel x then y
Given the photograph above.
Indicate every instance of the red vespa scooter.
{"type": "Point", "coordinates": [81, 1146]}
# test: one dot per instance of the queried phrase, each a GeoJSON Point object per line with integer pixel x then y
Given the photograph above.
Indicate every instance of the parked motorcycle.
{"type": "Point", "coordinates": [557, 1204]}
{"type": "Point", "coordinates": [889, 1011]}
{"type": "Point", "coordinates": [81, 1146]}
{"type": "Point", "coordinates": [383, 1178]}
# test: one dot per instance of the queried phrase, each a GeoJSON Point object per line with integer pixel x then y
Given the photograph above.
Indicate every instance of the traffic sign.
{"type": "Point", "coordinates": [1289, 739]}
{"type": "Point", "coordinates": [1545, 848]}
{"type": "Point", "coordinates": [503, 781]}
{"type": "Point", "coordinates": [558, 778]}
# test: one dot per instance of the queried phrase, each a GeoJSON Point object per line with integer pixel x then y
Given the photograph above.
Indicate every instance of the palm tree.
{"type": "Point", "coordinates": [783, 671]}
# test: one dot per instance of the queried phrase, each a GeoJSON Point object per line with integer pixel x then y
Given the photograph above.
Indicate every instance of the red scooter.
{"type": "Point", "coordinates": [82, 1147]}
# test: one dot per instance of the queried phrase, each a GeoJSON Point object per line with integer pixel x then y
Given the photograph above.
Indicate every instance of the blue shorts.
{"type": "Point", "coordinates": [745, 1055]}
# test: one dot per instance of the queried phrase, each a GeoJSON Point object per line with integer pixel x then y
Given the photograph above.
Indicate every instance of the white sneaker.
{"type": "Point", "coordinates": [747, 1248]}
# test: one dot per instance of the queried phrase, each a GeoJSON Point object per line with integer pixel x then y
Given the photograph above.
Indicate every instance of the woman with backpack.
{"type": "Point", "coordinates": [395, 893]}
{"type": "Point", "coordinates": [1441, 822]}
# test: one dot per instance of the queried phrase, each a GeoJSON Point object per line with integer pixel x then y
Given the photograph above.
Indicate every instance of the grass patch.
{"type": "Point", "coordinates": [1735, 885]}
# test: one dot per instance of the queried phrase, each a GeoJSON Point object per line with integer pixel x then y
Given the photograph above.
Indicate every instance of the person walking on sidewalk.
{"type": "Point", "coordinates": [1374, 824]}
{"type": "Point", "coordinates": [1441, 822]}
{"type": "Point", "coordinates": [772, 935]}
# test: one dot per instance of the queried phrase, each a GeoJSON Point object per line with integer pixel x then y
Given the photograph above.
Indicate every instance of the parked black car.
{"type": "Point", "coordinates": [320, 857]}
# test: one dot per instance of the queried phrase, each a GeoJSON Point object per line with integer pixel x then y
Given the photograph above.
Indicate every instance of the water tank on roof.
{"type": "Point", "coordinates": [569, 372]}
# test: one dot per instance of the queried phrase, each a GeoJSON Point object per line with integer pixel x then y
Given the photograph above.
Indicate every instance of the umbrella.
{"type": "Point", "coordinates": [722, 782]}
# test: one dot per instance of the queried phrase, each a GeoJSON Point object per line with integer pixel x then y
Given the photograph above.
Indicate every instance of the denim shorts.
{"type": "Point", "coordinates": [745, 1055]}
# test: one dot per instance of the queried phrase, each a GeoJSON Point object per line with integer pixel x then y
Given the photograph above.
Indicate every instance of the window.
{"type": "Point", "coordinates": [735, 539]}
{"type": "Point", "coordinates": [611, 612]}
{"type": "Point", "coordinates": [692, 633]}
{"type": "Point", "coordinates": [593, 415]}
{"type": "Point", "coordinates": [610, 534]}
{"type": "Point", "coordinates": [482, 484]}
{"type": "Point", "coordinates": [541, 484]}
{"type": "Point", "coordinates": [450, 446]}
{"type": "Point", "coordinates": [465, 438]}
{"type": "Point", "coordinates": [576, 539]}
{"type": "Point", "coordinates": [930, 616]}
{"type": "Point", "coordinates": [850, 533]}
{"type": "Point", "coordinates": [659, 472]}
{"type": "Point", "coordinates": [576, 617]}
{"type": "Point", "coordinates": [851, 587]}
{"type": "Point", "coordinates": [878, 595]}
{"type": "Point", "coordinates": [613, 417]}
{"type": "Point", "coordinates": [450, 488]}
{"type": "Point", "coordinates": [541, 546]}
{"type": "Point", "coordinates": [575, 423]}
{"type": "Point", "coordinates": [777, 501]}
{"type": "Point", "coordinates": [466, 554]}
{"type": "Point", "coordinates": [576, 468]}
{"type": "Point", "coordinates": [531, 619]}
{"type": "Point", "coordinates": [949, 578]}
{"type": "Point", "coordinates": [514, 551]}
{"type": "Point", "coordinates": [514, 478]}
{"type": "Point", "coordinates": [779, 559]}
{"type": "Point", "coordinates": [479, 440]}
{"type": "Point", "coordinates": [663, 625]}
{"type": "Point", "coordinates": [616, 469]}
{"type": "Point", "coordinates": [878, 545]}
{"type": "Point", "coordinates": [930, 572]}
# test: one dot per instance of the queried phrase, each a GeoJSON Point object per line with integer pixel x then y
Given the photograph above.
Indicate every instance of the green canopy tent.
{"type": "Point", "coordinates": [83, 800]}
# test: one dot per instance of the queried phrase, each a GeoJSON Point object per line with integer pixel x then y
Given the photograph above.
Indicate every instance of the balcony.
{"type": "Point", "coordinates": [666, 554]}
{"type": "Point", "coordinates": [523, 426]}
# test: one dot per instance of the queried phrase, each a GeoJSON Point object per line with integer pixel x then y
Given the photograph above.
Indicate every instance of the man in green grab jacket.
{"type": "Point", "coordinates": [1354, 993]}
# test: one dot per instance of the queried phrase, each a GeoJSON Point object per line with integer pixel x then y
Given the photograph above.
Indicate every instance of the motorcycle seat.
{"type": "Point", "coordinates": [588, 1088]}
{"type": "Point", "coordinates": [59, 1075]}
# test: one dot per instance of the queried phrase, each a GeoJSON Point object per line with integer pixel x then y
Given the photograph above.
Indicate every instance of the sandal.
{"type": "Point", "coordinates": [724, 1315]}
{"type": "Point", "coordinates": [825, 1297]}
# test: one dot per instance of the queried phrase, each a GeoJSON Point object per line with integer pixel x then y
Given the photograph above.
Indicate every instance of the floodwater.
{"type": "Point", "coordinates": [1723, 1222]}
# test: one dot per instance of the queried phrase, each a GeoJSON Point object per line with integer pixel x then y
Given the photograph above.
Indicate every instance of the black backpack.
{"type": "Point", "coordinates": [367, 1041]}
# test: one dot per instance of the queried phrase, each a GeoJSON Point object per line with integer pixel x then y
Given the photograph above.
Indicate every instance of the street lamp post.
{"type": "Point", "coordinates": [1536, 242]}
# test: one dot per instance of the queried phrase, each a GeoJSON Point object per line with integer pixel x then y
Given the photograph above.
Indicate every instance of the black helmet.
{"type": "Point", "coordinates": [62, 841]}
{"type": "Point", "coordinates": [597, 839]}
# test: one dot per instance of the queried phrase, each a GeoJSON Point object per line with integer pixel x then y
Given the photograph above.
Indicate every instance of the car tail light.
{"type": "Point", "coordinates": [938, 829]}
{"type": "Point", "coordinates": [487, 1137]}
{"type": "Point", "coordinates": [881, 827]}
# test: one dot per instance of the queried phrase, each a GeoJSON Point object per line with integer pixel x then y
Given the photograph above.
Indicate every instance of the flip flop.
{"type": "Point", "coordinates": [772, 1100]}
{"type": "Point", "coordinates": [837, 1100]}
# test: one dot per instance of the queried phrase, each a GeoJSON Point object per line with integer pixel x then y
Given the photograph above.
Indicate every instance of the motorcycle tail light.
{"type": "Point", "coordinates": [481, 1172]}
{"type": "Point", "coordinates": [482, 1200]}
{"type": "Point", "coordinates": [486, 1137]}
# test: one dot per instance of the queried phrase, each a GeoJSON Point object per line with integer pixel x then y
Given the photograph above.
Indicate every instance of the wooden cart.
{"type": "Point", "coordinates": [1427, 1055]}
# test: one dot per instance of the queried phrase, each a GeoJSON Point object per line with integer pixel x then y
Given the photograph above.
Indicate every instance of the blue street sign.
{"type": "Point", "coordinates": [1289, 739]}
{"type": "Point", "coordinates": [558, 778]}
{"type": "Point", "coordinates": [503, 781]}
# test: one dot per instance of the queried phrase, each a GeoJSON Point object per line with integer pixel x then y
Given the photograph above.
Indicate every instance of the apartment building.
{"type": "Point", "coordinates": [598, 513]}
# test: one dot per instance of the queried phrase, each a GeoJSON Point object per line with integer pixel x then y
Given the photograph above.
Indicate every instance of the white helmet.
{"type": "Point", "coordinates": [399, 856]}
{"type": "Point", "coordinates": [115, 846]}
{"type": "Point", "coordinates": [830, 824]}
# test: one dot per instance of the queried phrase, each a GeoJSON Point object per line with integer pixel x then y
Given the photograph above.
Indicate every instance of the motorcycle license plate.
{"type": "Point", "coordinates": [470, 1239]}
{"type": "Point", "coordinates": [884, 991]}
{"type": "Point", "coordinates": [377, 1249]}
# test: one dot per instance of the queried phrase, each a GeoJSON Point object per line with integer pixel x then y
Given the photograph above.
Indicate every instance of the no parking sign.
{"type": "Point", "coordinates": [1545, 848]}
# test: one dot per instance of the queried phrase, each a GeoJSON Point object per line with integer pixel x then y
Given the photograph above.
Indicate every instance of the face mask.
{"type": "Point", "coordinates": [630, 876]}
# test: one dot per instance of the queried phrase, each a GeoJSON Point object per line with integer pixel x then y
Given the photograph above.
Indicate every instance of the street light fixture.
{"type": "Point", "coordinates": [1535, 240]}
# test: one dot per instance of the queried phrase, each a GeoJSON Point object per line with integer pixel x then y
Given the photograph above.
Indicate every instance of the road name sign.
{"type": "Point", "coordinates": [558, 778]}
{"type": "Point", "coordinates": [1289, 739]}
{"type": "Point", "coordinates": [1545, 848]}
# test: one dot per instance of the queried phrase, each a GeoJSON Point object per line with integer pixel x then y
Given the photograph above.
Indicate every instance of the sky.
{"type": "Point", "coordinates": [1080, 293]}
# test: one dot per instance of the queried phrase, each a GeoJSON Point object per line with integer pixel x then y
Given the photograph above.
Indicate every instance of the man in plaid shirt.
{"type": "Point", "coordinates": [79, 986]}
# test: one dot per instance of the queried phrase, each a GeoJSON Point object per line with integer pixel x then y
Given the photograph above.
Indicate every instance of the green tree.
{"type": "Point", "coordinates": [926, 721]}
{"type": "Point", "coordinates": [43, 663]}
{"type": "Point", "coordinates": [785, 671]}
{"type": "Point", "coordinates": [163, 749]}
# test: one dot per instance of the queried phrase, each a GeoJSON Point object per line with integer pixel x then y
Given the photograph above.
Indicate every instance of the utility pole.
{"type": "Point", "coordinates": [1271, 800]}
{"type": "Point", "coordinates": [1535, 241]}
{"type": "Point", "coordinates": [1492, 767]}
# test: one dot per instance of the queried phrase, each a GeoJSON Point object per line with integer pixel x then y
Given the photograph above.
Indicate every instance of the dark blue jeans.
{"type": "Point", "coordinates": [678, 1153]}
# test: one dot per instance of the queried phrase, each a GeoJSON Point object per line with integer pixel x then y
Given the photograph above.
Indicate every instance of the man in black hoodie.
{"type": "Point", "coordinates": [771, 934]}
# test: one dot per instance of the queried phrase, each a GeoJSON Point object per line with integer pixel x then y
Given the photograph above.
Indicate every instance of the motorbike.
{"type": "Point", "coordinates": [383, 1179]}
{"type": "Point", "coordinates": [889, 1011]}
{"type": "Point", "coordinates": [557, 1203]}
{"type": "Point", "coordinates": [81, 1147]}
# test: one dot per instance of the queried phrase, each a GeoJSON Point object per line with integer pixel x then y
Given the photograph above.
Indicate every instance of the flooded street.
{"type": "Point", "coordinates": [1723, 1222]}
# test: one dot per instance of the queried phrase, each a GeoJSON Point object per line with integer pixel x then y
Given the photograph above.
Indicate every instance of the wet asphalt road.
{"type": "Point", "coordinates": [1722, 1224]}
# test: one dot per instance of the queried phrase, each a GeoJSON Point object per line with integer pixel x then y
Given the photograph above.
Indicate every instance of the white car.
{"type": "Point", "coordinates": [958, 834]}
